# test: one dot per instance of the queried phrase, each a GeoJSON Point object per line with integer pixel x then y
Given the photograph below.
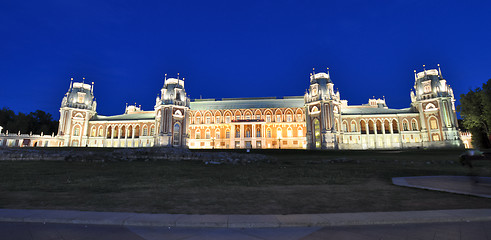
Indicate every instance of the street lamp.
{"type": "Point", "coordinates": [279, 142]}
{"type": "Point", "coordinates": [213, 142]}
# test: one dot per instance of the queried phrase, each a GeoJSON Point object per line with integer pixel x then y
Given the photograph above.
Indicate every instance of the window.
{"type": "Point", "coordinates": [299, 117]}
{"type": "Point", "coordinates": [345, 126]}
{"type": "Point", "coordinates": [152, 131]}
{"type": "Point", "coordinates": [177, 134]}
{"type": "Point", "coordinates": [92, 132]}
{"type": "Point", "coordinates": [433, 124]}
{"type": "Point", "coordinates": [300, 132]}
{"type": "Point", "coordinates": [288, 118]}
{"type": "Point", "coordinates": [76, 131]}
{"type": "Point", "coordinates": [237, 117]}
{"type": "Point", "coordinates": [227, 134]}
{"type": "Point", "coordinates": [353, 126]}
{"type": "Point", "coordinates": [217, 119]}
{"type": "Point", "coordinates": [217, 134]}
{"type": "Point", "coordinates": [248, 117]}
{"type": "Point", "coordinates": [414, 126]}
{"type": "Point", "coordinates": [268, 132]}
{"type": "Point", "coordinates": [207, 134]}
{"type": "Point", "coordinates": [145, 131]}
{"type": "Point", "coordinates": [278, 118]}
{"type": "Point", "coordinates": [81, 97]}
{"type": "Point", "coordinates": [404, 126]}
{"type": "Point", "coordinates": [258, 117]}
{"type": "Point", "coordinates": [278, 132]}
{"type": "Point", "coordinates": [248, 133]}
{"type": "Point", "coordinates": [197, 134]}
{"type": "Point", "coordinates": [208, 120]}
{"type": "Point", "coordinates": [258, 132]}
{"type": "Point", "coordinates": [198, 119]}
{"type": "Point", "coordinates": [268, 118]}
{"type": "Point", "coordinates": [227, 119]}
{"type": "Point", "coordinates": [101, 132]}
{"type": "Point", "coordinates": [237, 133]}
{"type": "Point", "coordinates": [289, 132]}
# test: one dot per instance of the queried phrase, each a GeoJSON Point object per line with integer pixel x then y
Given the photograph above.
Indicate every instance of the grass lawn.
{"type": "Point", "coordinates": [296, 182]}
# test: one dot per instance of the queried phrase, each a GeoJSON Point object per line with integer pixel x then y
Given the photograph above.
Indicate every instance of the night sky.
{"type": "Point", "coordinates": [235, 48]}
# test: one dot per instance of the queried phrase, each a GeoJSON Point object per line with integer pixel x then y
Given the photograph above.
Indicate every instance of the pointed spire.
{"type": "Point", "coordinates": [71, 84]}
{"type": "Point", "coordinates": [177, 76]}
{"type": "Point", "coordinates": [424, 69]}
{"type": "Point", "coordinates": [165, 76]}
{"type": "Point", "coordinates": [439, 70]}
{"type": "Point", "coordinates": [83, 80]}
{"type": "Point", "coordinates": [415, 75]}
{"type": "Point", "coordinates": [329, 75]}
{"type": "Point", "coordinates": [92, 88]}
{"type": "Point", "coordinates": [313, 71]}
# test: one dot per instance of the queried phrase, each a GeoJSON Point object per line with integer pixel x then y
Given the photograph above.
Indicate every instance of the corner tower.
{"type": "Point", "coordinates": [171, 114]}
{"type": "Point", "coordinates": [323, 112]}
{"type": "Point", "coordinates": [435, 102]}
{"type": "Point", "coordinates": [77, 108]}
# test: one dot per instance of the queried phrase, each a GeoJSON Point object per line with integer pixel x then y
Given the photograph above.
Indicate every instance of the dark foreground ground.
{"type": "Point", "coordinates": [292, 182]}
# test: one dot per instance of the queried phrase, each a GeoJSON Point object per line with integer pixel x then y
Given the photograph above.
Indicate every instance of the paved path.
{"type": "Point", "coordinates": [475, 186]}
{"type": "Point", "coordinates": [242, 221]}
{"type": "Point", "coordinates": [56, 231]}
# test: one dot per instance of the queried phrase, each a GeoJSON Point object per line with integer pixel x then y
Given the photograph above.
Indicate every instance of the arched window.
{"type": "Point", "coordinates": [345, 126]}
{"type": "Point", "coordinates": [145, 130]}
{"type": "Point", "coordinates": [433, 123]}
{"type": "Point", "coordinates": [278, 133]}
{"type": "Point", "coordinates": [197, 134]}
{"type": "Point", "coordinates": [109, 132]}
{"type": "Point", "coordinates": [237, 133]}
{"type": "Point", "coordinates": [152, 130]}
{"type": "Point", "coordinates": [405, 126]}
{"type": "Point", "coordinates": [353, 126]}
{"type": "Point", "coordinates": [317, 133]}
{"type": "Point", "coordinates": [177, 134]}
{"type": "Point", "coordinates": [123, 132]}
{"type": "Point", "coordinates": [414, 125]}
{"type": "Point", "coordinates": [395, 126]}
{"type": "Point", "coordinates": [227, 134]}
{"type": "Point", "coordinates": [289, 132]}
{"type": "Point", "coordinates": [268, 133]}
{"type": "Point", "coordinates": [101, 131]}
{"type": "Point", "coordinates": [363, 127]}
{"type": "Point", "coordinates": [248, 132]}
{"type": "Point", "coordinates": [137, 131]}
{"type": "Point", "coordinates": [207, 134]}
{"type": "Point", "coordinates": [76, 131]}
{"type": "Point", "coordinates": [300, 132]}
{"type": "Point", "coordinates": [217, 134]}
{"type": "Point", "coordinates": [258, 132]}
{"type": "Point", "coordinates": [93, 132]}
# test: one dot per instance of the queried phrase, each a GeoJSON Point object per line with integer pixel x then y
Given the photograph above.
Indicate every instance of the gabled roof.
{"type": "Point", "coordinates": [373, 110]}
{"type": "Point", "coordinates": [124, 117]}
{"type": "Point", "coordinates": [247, 103]}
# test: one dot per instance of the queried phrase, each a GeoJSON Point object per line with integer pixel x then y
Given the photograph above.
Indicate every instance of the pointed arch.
{"type": "Point", "coordinates": [353, 127]}
{"type": "Point", "coordinates": [395, 126]}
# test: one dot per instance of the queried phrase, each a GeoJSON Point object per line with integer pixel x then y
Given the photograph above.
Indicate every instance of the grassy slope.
{"type": "Point", "coordinates": [298, 182]}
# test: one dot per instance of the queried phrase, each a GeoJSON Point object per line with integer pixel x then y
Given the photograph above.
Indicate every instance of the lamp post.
{"type": "Point", "coordinates": [213, 142]}
{"type": "Point", "coordinates": [279, 142]}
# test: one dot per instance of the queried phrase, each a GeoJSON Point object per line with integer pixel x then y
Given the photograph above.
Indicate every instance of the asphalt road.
{"type": "Point", "coordinates": [49, 231]}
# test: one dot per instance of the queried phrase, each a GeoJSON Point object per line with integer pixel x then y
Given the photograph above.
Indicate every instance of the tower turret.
{"type": "Point", "coordinates": [171, 113]}
{"type": "Point", "coordinates": [323, 112]}
{"type": "Point", "coordinates": [77, 108]}
{"type": "Point", "coordinates": [434, 100]}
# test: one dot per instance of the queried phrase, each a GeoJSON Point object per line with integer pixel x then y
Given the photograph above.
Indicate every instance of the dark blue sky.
{"type": "Point", "coordinates": [235, 48]}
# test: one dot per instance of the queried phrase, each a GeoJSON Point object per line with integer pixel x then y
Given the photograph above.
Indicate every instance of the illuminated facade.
{"type": "Point", "coordinates": [318, 120]}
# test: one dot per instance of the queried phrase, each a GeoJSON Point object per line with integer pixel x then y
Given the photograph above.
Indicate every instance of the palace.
{"type": "Point", "coordinates": [318, 120]}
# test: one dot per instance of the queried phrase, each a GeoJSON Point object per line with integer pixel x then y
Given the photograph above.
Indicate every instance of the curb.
{"type": "Point", "coordinates": [242, 221]}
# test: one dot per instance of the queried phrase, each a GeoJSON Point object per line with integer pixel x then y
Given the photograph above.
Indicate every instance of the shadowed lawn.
{"type": "Point", "coordinates": [296, 182]}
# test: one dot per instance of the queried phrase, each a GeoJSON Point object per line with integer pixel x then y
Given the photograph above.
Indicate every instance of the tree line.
{"type": "Point", "coordinates": [35, 122]}
{"type": "Point", "coordinates": [475, 110]}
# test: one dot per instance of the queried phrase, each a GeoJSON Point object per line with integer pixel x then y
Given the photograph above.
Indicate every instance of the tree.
{"type": "Point", "coordinates": [475, 109]}
{"type": "Point", "coordinates": [35, 122]}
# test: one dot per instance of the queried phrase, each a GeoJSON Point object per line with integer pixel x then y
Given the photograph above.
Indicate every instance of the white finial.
{"type": "Point", "coordinates": [177, 76]}
{"type": "Point", "coordinates": [439, 70]}
{"type": "Point", "coordinates": [165, 76]}
{"type": "Point", "coordinates": [415, 75]}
